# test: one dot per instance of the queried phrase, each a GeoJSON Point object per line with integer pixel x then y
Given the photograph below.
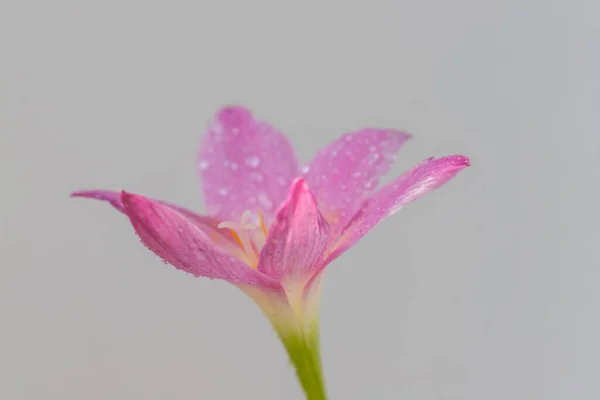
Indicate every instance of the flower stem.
{"type": "Point", "coordinates": [304, 352]}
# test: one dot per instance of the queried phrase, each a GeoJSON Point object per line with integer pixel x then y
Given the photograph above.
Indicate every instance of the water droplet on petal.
{"type": "Point", "coordinates": [356, 174]}
{"type": "Point", "coordinates": [234, 166]}
{"type": "Point", "coordinates": [281, 181]}
{"type": "Point", "coordinates": [203, 165]}
{"type": "Point", "coordinates": [217, 128]}
{"type": "Point", "coordinates": [389, 157]}
{"type": "Point", "coordinates": [223, 191]}
{"type": "Point", "coordinates": [373, 158]}
{"type": "Point", "coordinates": [264, 201]}
{"type": "Point", "coordinates": [252, 161]}
{"type": "Point", "coordinates": [304, 169]}
{"type": "Point", "coordinates": [256, 176]}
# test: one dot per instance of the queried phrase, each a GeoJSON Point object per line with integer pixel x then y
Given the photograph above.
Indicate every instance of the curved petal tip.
{"type": "Point", "coordinates": [234, 116]}
{"type": "Point", "coordinates": [114, 198]}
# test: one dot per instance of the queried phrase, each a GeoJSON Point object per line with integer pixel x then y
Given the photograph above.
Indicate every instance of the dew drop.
{"type": "Point", "coordinates": [234, 166]}
{"type": "Point", "coordinates": [223, 191]}
{"type": "Point", "coordinates": [281, 181]}
{"type": "Point", "coordinates": [252, 161]}
{"type": "Point", "coordinates": [389, 157]}
{"type": "Point", "coordinates": [217, 129]}
{"type": "Point", "coordinates": [373, 158]}
{"type": "Point", "coordinates": [256, 176]}
{"type": "Point", "coordinates": [304, 169]}
{"type": "Point", "coordinates": [356, 174]}
{"type": "Point", "coordinates": [264, 201]}
{"type": "Point", "coordinates": [203, 165]}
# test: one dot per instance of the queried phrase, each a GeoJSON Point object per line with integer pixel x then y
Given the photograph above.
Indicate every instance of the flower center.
{"type": "Point", "coordinates": [250, 237]}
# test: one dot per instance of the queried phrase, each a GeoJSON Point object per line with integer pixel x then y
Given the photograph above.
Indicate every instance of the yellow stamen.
{"type": "Point", "coordinates": [262, 223]}
{"type": "Point", "coordinates": [248, 237]}
{"type": "Point", "coordinates": [236, 237]}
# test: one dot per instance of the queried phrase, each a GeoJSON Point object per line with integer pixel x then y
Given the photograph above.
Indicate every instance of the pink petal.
{"type": "Point", "coordinates": [179, 242]}
{"type": "Point", "coordinates": [344, 173]}
{"type": "Point", "coordinates": [298, 238]}
{"type": "Point", "coordinates": [244, 164]}
{"type": "Point", "coordinates": [423, 178]}
{"type": "Point", "coordinates": [114, 198]}
{"type": "Point", "coordinates": [209, 225]}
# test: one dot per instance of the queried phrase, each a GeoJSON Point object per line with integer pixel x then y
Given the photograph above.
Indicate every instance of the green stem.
{"type": "Point", "coordinates": [303, 349]}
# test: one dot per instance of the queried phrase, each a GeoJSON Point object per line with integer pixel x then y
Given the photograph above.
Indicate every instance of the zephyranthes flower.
{"type": "Point", "coordinates": [273, 227]}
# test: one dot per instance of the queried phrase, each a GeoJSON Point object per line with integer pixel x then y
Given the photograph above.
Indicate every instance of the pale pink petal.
{"type": "Point", "coordinates": [344, 173]}
{"type": "Point", "coordinates": [423, 178]}
{"type": "Point", "coordinates": [209, 225]}
{"type": "Point", "coordinates": [298, 238]}
{"type": "Point", "coordinates": [179, 242]}
{"type": "Point", "coordinates": [244, 164]}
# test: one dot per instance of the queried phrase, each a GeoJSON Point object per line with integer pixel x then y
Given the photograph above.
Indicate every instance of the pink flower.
{"type": "Point", "coordinates": [273, 227]}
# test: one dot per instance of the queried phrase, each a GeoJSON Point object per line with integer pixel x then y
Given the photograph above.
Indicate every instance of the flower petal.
{"type": "Point", "coordinates": [208, 224]}
{"type": "Point", "coordinates": [298, 238]}
{"type": "Point", "coordinates": [114, 198]}
{"type": "Point", "coordinates": [244, 164]}
{"type": "Point", "coordinates": [423, 178]}
{"type": "Point", "coordinates": [179, 241]}
{"type": "Point", "coordinates": [348, 170]}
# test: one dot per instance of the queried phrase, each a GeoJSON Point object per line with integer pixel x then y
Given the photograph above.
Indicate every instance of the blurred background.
{"type": "Point", "coordinates": [484, 289]}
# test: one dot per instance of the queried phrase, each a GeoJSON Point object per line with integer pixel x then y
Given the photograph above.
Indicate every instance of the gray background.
{"type": "Point", "coordinates": [486, 289]}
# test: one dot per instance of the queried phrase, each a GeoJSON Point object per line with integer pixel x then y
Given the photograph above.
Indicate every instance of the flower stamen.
{"type": "Point", "coordinates": [250, 239]}
{"type": "Point", "coordinates": [262, 223]}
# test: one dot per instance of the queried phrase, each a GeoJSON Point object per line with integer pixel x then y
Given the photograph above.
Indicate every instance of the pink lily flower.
{"type": "Point", "coordinates": [273, 227]}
